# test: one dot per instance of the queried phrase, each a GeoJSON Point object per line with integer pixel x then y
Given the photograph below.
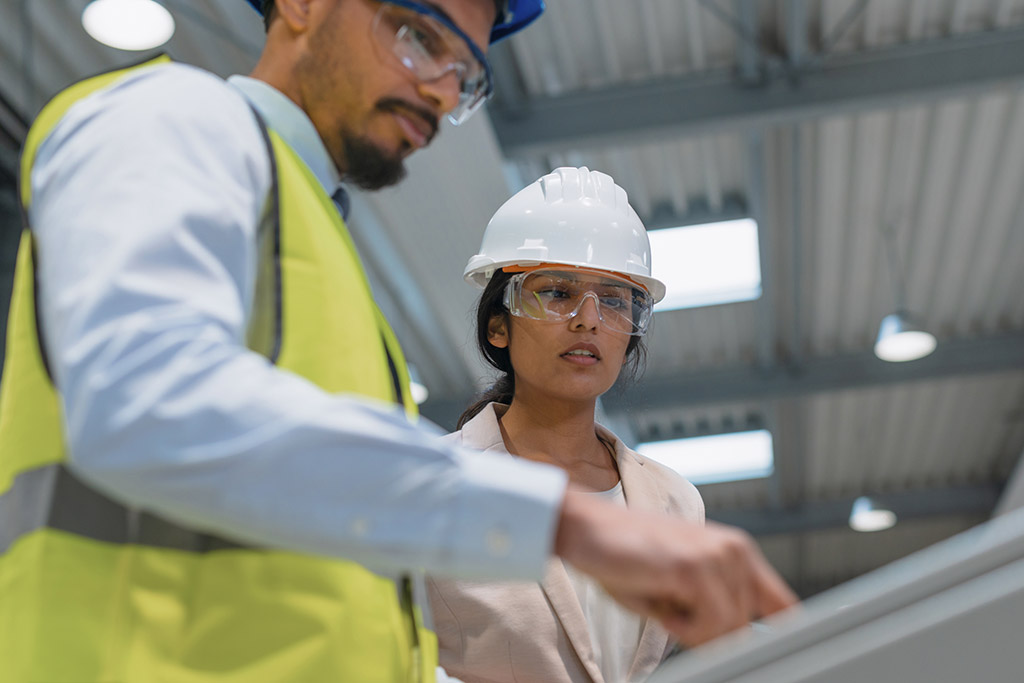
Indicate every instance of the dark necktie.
{"type": "Point", "coordinates": [341, 200]}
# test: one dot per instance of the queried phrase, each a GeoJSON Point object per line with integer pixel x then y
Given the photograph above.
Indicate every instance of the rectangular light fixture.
{"type": "Point", "coordinates": [708, 264]}
{"type": "Point", "coordinates": [717, 458]}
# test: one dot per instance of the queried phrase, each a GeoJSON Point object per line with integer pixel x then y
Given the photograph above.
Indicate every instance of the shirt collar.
{"type": "Point", "coordinates": [291, 123]}
{"type": "Point", "coordinates": [482, 432]}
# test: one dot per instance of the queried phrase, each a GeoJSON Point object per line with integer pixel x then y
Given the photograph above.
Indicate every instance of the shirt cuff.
{"type": "Point", "coordinates": [507, 517]}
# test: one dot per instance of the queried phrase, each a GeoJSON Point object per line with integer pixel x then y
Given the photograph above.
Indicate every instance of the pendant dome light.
{"type": "Point", "coordinates": [867, 515]}
{"type": "Point", "coordinates": [900, 337]}
{"type": "Point", "coordinates": [128, 24]}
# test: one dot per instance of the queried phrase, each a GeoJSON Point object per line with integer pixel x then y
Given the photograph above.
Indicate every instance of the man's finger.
{"type": "Point", "coordinates": [734, 570]}
{"type": "Point", "coordinates": [772, 593]}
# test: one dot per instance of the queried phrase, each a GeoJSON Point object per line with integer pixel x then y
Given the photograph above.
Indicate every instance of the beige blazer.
{"type": "Point", "coordinates": [522, 632]}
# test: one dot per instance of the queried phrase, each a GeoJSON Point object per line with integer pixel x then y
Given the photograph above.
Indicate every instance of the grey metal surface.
{"type": "Point", "coordinates": [1013, 495]}
{"type": "Point", "coordinates": [948, 614]}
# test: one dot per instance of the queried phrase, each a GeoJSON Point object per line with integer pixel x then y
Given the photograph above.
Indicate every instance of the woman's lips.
{"type": "Point", "coordinates": [580, 358]}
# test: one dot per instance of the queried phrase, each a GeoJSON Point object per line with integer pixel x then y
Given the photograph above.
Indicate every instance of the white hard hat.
{"type": "Point", "coordinates": [571, 216]}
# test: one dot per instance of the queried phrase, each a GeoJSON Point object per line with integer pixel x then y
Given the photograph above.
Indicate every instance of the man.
{"type": "Point", "coordinates": [196, 410]}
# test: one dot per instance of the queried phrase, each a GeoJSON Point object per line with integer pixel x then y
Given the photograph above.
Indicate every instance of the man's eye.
{"type": "Point", "coordinates": [426, 38]}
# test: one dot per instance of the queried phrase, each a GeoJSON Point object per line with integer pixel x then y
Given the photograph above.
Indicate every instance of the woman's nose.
{"type": "Point", "coordinates": [587, 315]}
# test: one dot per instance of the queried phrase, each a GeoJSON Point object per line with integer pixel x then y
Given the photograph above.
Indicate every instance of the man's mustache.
{"type": "Point", "coordinates": [393, 104]}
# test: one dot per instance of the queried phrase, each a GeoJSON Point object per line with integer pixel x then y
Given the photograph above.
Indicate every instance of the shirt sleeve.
{"type": "Point", "coordinates": [146, 202]}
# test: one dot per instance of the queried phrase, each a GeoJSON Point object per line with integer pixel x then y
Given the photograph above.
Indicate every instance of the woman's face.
{"type": "Point", "coordinates": [574, 360]}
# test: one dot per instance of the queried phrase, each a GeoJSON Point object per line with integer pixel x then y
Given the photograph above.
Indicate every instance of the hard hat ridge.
{"type": "Point", "coordinates": [573, 184]}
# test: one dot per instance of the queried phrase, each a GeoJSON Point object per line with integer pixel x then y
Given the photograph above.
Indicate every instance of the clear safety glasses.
{"type": "Point", "coordinates": [556, 296]}
{"type": "Point", "coordinates": [428, 44]}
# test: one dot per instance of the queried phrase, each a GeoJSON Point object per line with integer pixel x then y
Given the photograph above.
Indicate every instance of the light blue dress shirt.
{"type": "Point", "coordinates": [146, 202]}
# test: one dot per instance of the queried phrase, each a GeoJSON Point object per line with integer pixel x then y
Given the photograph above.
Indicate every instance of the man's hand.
{"type": "Point", "coordinates": [698, 581]}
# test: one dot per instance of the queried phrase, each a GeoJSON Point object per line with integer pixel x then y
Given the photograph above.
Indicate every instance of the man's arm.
{"type": "Point", "coordinates": [146, 203]}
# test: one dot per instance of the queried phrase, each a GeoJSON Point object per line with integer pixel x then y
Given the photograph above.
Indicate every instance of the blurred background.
{"type": "Point", "coordinates": [806, 169]}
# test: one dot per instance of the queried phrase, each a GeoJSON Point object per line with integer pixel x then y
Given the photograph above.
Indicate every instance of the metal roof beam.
{"type": "Point", "coordinates": [734, 384]}
{"type": "Point", "coordinates": [716, 101]}
{"type": "Point", "coordinates": [816, 375]}
{"type": "Point", "coordinates": [819, 516]}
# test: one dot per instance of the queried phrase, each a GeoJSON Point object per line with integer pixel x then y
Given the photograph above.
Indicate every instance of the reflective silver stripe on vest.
{"type": "Point", "coordinates": [53, 497]}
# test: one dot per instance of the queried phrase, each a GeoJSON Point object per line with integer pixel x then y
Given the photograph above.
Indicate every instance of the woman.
{"type": "Point", "coordinates": [568, 297]}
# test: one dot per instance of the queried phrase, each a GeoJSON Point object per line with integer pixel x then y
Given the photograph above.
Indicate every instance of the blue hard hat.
{"type": "Point", "coordinates": [516, 15]}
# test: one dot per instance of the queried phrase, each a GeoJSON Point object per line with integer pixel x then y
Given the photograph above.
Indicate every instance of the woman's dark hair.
{"type": "Point", "coordinates": [492, 304]}
{"type": "Point", "coordinates": [267, 7]}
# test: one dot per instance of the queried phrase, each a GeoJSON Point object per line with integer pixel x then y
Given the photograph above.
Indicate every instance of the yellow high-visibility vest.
{"type": "Point", "coordinates": [94, 591]}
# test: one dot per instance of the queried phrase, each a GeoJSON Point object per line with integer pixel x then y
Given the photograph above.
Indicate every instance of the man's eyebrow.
{"type": "Point", "coordinates": [440, 11]}
{"type": "Point", "coordinates": [447, 17]}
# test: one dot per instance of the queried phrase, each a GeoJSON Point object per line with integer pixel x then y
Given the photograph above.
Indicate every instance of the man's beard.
{"type": "Point", "coordinates": [370, 167]}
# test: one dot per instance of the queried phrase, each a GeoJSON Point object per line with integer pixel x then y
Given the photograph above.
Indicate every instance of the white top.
{"type": "Point", "coordinates": [146, 201]}
{"type": "Point", "coordinates": [614, 631]}
{"type": "Point", "coordinates": [509, 631]}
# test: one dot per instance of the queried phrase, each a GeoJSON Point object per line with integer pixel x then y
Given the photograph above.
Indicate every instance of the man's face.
{"type": "Point", "coordinates": [369, 109]}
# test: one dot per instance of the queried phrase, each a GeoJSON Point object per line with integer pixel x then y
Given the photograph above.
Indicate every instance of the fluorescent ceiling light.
{"type": "Point", "coordinates": [718, 458]}
{"type": "Point", "coordinates": [703, 265]}
{"type": "Point", "coordinates": [128, 24]}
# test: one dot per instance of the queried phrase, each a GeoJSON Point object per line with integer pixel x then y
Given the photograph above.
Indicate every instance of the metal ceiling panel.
{"type": "Point", "coordinates": [927, 434]}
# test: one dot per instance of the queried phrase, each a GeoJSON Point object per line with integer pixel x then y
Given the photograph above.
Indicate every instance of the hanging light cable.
{"type": "Point", "coordinates": [900, 337]}
{"type": "Point", "coordinates": [128, 24]}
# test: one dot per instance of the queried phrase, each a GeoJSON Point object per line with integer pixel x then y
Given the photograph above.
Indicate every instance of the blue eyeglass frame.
{"type": "Point", "coordinates": [429, 11]}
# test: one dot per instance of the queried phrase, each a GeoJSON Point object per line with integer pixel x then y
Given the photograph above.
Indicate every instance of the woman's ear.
{"type": "Point", "coordinates": [497, 331]}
